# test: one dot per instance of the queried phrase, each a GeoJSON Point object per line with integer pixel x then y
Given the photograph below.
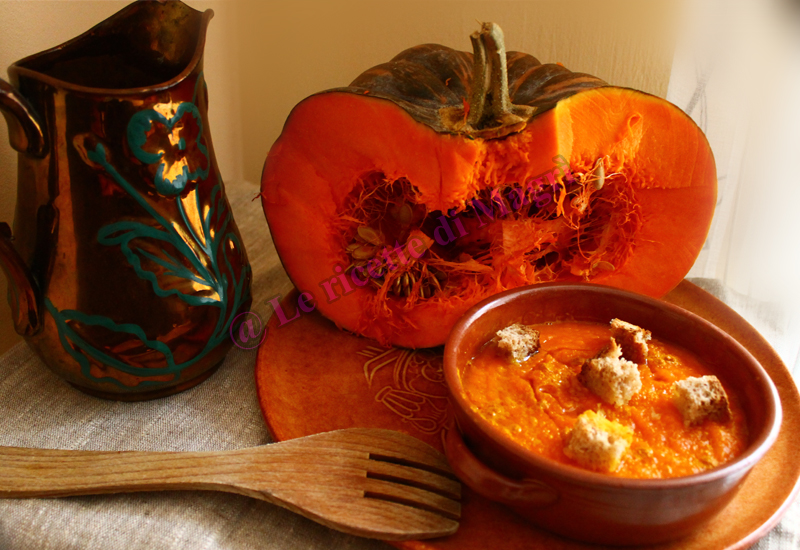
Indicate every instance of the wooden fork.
{"type": "Point", "coordinates": [372, 483]}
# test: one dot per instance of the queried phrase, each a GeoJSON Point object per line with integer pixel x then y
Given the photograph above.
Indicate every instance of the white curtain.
{"type": "Point", "coordinates": [736, 72]}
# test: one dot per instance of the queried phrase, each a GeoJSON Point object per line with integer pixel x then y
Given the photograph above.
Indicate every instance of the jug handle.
{"type": "Point", "coordinates": [24, 128]}
{"type": "Point", "coordinates": [22, 295]}
{"type": "Point", "coordinates": [26, 136]}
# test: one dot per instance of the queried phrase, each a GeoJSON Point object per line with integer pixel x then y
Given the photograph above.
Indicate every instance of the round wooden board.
{"type": "Point", "coordinates": [313, 377]}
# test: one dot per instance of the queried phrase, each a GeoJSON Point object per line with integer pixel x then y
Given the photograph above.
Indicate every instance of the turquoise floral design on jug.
{"type": "Point", "coordinates": [160, 253]}
{"type": "Point", "coordinates": [135, 271]}
{"type": "Point", "coordinates": [150, 151]}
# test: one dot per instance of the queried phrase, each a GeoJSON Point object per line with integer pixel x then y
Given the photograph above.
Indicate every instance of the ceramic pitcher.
{"type": "Point", "coordinates": [125, 266]}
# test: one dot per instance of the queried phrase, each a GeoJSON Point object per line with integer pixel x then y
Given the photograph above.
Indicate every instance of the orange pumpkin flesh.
{"type": "Point", "coordinates": [354, 173]}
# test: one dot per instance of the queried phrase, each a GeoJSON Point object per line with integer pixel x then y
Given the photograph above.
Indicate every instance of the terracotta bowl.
{"type": "Point", "coordinates": [578, 503]}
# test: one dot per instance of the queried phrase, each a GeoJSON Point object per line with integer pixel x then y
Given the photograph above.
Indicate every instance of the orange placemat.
{"type": "Point", "coordinates": [313, 377]}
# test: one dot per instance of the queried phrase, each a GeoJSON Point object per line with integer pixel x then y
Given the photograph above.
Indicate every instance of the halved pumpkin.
{"type": "Point", "coordinates": [442, 177]}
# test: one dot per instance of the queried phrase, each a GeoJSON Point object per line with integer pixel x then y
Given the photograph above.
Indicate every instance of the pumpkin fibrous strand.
{"type": "Point", "coordinates": [457, 175]}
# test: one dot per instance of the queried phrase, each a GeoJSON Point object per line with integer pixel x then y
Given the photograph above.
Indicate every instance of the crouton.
{"type": "Point", "coordinates": [611, 378]}
{"type": "Point", "coordinates": [598, 443]}
{"type": "Point", "coordinates": [701, 398]}
{"type": "Point", "coordinates": [632, 339]}
{"type": "Point", "coordinates": [517, 341]}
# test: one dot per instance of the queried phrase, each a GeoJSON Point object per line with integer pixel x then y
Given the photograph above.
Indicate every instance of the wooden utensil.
{"type": "Point", "coordinates": [368, 482]}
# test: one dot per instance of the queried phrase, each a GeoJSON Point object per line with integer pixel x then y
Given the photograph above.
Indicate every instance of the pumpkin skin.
{"type": "Point", "coordinates": [362, 177]}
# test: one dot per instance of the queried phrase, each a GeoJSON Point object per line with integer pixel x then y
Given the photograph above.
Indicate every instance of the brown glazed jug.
{"type": "Point", "coordinates": [125, 268]}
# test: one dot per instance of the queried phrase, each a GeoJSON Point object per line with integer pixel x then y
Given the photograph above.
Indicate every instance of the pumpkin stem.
{"type": "Point", "coordinates": [491, 113]}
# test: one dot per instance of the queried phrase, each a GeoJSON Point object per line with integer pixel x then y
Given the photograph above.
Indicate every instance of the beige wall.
{"type": "Point", "coordinates": [263, 56]}
{"type": "Point", "coordinates": [294, 48]}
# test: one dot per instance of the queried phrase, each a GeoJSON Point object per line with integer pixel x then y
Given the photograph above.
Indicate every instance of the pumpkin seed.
{"type": "Point", "coordinates": [604, 266]}
{"type": "Point", "coordinates": [405, 214]}
{"type": "Point", "coordinates": [370, 235]}
{"type": "Point", "coordinates": [435, 282]}
{"type": "Point", "coordinates": [600, 174]}
{"type": "Point", "coordinates": [363, 252]}
{"type": "Point", "coordinates": [397, 286]}
{"type": "Point", "coordinates": [579, 203]}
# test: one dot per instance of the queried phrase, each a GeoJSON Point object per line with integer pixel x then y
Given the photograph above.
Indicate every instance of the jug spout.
{"type": "Point", "coordinates": [146, 46]}
{"type": "Point", "coordinates": [22, 289]}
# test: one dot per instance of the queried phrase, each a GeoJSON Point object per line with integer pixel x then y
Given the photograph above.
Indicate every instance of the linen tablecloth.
{"type": "Point", "coordinates": [39, 410]}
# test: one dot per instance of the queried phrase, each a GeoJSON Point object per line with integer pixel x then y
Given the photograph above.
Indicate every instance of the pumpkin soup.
{"type": "Point", "coordinates": [578, 388]}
